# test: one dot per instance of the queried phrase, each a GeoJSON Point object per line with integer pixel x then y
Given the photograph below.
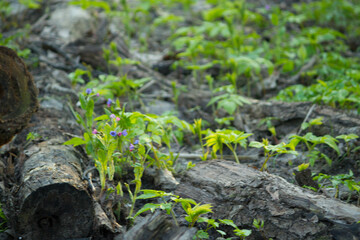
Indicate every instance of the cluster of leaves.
{"type": "Point", "coordinates": [347, 180]}
{"type": "Point", "coordinates": [193, 212]}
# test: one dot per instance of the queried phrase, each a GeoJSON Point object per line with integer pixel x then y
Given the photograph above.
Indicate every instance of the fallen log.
{"type": "Point", "coordinates": [18, 95]}
{"type": "Point", "coordinates": [52, 197]}
{"type": "Point", "coordinates": [242, 194]}
{"type": "Point", "coordinates": [158, 226]}
{"type": "Point", "coordinates": [288, 117]}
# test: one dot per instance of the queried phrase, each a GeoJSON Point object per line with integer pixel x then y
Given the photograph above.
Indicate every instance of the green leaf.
{"type": "Point", "coordinates": [149, 206]}
{"type": "Point", "coordinates": [102, 117]}
{"type": "Point", "coordinates": [330, 141]}
{"type": "Point", "coordinates": [75, 141]}
{"type": "Point", "coordinates": [256, 144]}
{"type": "Point", "coordinates": [201, 234]}
{"type": "Point", "coordinates": [242, 232]}
{"type": "Point", "coordinates": [228, 222]}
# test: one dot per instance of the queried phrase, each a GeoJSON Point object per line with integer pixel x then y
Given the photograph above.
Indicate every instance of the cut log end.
{"type": "Point", "coordinates": [57, 210]}
{"type": "Point", "coordinates": [18, 95]}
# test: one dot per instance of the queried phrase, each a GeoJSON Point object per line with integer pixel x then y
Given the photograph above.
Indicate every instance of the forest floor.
{"type": "Point", "coordinates": [270, 82]}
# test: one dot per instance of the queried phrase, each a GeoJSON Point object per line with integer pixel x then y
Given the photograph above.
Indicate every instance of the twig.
{"type": "Point", "coordinates": [306, 118]}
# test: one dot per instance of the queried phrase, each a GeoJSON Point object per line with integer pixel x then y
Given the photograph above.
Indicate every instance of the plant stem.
{"type": "Point", "coordinates": [264, 164]}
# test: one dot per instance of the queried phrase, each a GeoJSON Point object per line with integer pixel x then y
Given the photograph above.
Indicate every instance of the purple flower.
{"type": "Point", "coordinates": [112, 116]}
{"type": "Point", "coordinates": [267, 7]}
{"type": "Point", "coordinates": [94, 131]}
{"type": "Point", "coordinates": [136, 142]}
{"type": "Point", "coordinates": [98, 94]}
{"type": "Point", "coordinates": [109, 101]}
{"type": "Point", "coordinates": [113, 133]}
{"type": "Point", "coordinates": [88, 91]}
{"type": "Point", "coordinates": [131, 147]}
{"type": "Point", "coordinates": [117, 119]}
{"type": "Point", "coordinates": [124, 133]}
{"type": "Point", "coordinates": [119, 134]}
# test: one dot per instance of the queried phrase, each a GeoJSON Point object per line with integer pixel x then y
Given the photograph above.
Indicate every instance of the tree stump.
{"type": "Point", "coordinates": [18, 95]}
{"type": "Point", "coordinates": [242, 194]}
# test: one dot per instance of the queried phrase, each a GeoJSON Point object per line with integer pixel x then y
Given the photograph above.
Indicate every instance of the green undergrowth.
{"type": "Point", "coordinates": [232, 49]}
{"type": "Point", "coordinates": [250, 44]}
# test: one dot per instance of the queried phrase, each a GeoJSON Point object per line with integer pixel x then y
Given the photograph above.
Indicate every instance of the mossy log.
{"type": "Point", "coordinates": [242, 194]}
{"type": "Point", "coordinates": [18, 95]}
{"type": "Point", "coordinates": [52, 197]}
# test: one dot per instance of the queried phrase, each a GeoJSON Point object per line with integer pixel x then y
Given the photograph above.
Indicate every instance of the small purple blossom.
{"type": "Point", "coordinates": [124, 132]}
{"type": "Point", "coordinates": [94, 131]}
{"type": "Point", "coordinates": [97, 94]}
{"type": "Point", "coordinates": [131, 147]}
{"type": "Point", "coordinates": [117, 119]}
{"type": "Point", "coordinates": [109, 101]}
{"type": "Point", "coordinates": [113, 133]}
{"type": "Point", "coordinates": [88, 91]}
{"type": "Point", "coordinates": [112, 116]}
{"type": "Point", "coordinates": [136, 142]}
{"type": "Point", "coordinates": [267, 7]}
{"type": "Point", "coordinates": [119, 134]}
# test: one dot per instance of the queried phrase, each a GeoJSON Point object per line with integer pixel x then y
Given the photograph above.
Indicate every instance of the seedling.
{"type": "Point", "coordinates": [311, 141]}
{"type": "Point", "coordinates": [231, 138]}
{"type": "Point", "coordinates": [272, 150]}
{"type": "Point", "coordinates": [348, 138]}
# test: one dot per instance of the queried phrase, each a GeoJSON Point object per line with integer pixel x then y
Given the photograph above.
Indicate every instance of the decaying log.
{"type": "Point", "coordinates": [242, 193]}
{"type": "Point", "coordinates": [158, 226]}
{"type": "Point", "coordinates": [53, 198]}
{"type": "Point", "coordinates": [18, 95]}
{"type": "Point", "coordinates": [288, 116]}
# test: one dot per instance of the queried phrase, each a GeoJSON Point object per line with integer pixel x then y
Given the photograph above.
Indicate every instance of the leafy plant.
{"type": "Point", "coordinates": [273, 150]}
{"type": "Point", "coordinates": [229, 101]}
{"type": "Point", "coordinates": [231, 138]}
{"type": "Point", "coordinates": [311, 141]}
{"type": "Point", "coordinates": [337, 180]}
{"type": "Point", "coordinates": [348, 138]}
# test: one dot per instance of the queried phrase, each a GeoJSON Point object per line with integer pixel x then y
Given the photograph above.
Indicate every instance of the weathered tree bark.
{"type": "Point", "coordinates": [158, 226]}
{"type": "Point", "coordinates": [242, 193]}
{"type": "Point", "coordinates": [18, 95]}
{"type": "Point", "coordinates": [288, 117]}
{"type": "Point", "coordinates": [53, 198]}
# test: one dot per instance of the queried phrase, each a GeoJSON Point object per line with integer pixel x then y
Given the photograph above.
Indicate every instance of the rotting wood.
{"type": "Point", "coordinates": [52, 197]}
{"type": "Point", "coordinates": [158, 226]}
{"type": "Point", "coordinates": [242, 194]}
{"type": "Point", "coordinates": [288, 117]}
{"type": "Point", "coordinates": [18, 95]}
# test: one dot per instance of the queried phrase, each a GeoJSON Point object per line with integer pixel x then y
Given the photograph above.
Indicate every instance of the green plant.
{"type": "Point", "coordinates": [336, 181]}
{"type": "Point", "coordinates": [273, 150]}
{"type": "Point", "coordinates": [311, 141]}
{"type": "Point", "coordinates": [33, 4]}
{"type": "Point", "coordinates": [353, 186]}
{"type": "Point", "coordinates": [231, 138]}
{"type": "Point", "coordinates": [193, 210]}
{"type": "Point", "coordinates": [312, 122]}
{"type": "Point", "coordinates": [303, 166]}
{"type": "Point", "coordinates": [347, 138]}
{"type": "Point", "coordinates": [229, 101]}
{"type": "Point", "coordinates": [76, 77]}
{"type": "Point", "coordinates": [259, 225]}
{"type": "Point", "coordinates": [3, 220]}
{"type": "Point", "coordinates": [199, 132]}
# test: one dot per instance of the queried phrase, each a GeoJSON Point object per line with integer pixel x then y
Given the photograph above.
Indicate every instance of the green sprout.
{"type": "Point", "coordinates": [272, 150]}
